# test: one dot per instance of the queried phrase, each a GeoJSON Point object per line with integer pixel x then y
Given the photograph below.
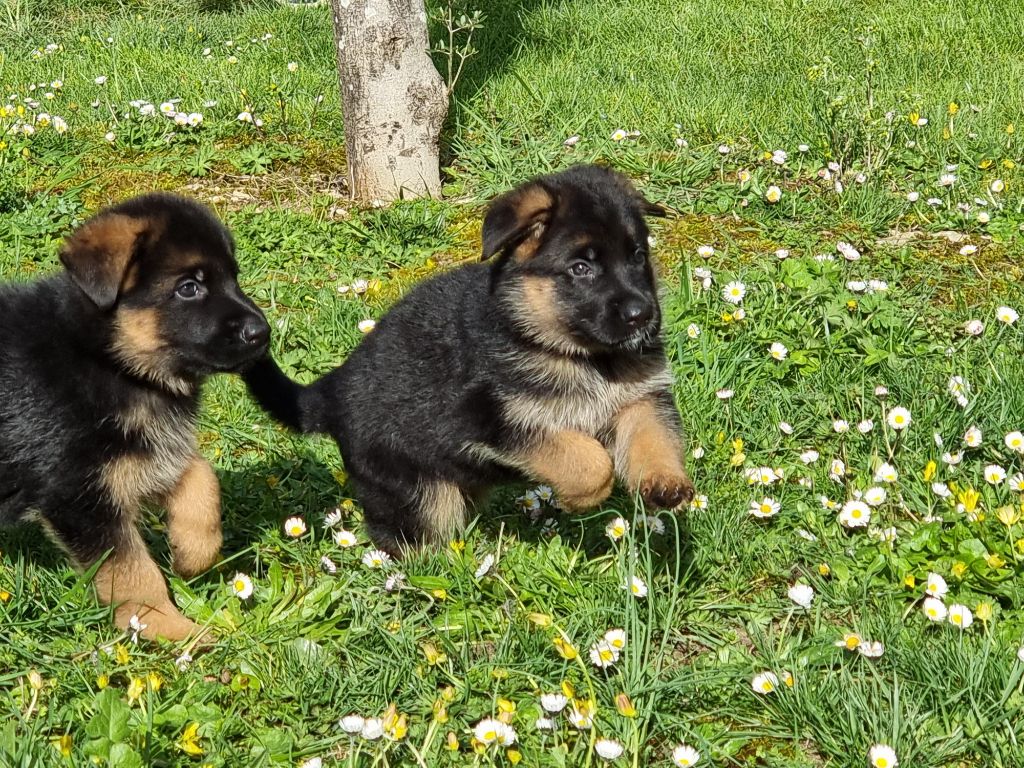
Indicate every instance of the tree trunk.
{"type": "Point", "coordinates": [393, 100]}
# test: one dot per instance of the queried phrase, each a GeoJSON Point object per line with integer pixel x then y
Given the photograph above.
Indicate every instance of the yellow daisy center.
{"type": "Point", "coordinates": [852, 642]}
{"type": "Point", "coordinates": [881, 762]}
{"type": "Point", "coordinates": [767, 686]}
{"type": "Point", "coordinates": [239, 585]}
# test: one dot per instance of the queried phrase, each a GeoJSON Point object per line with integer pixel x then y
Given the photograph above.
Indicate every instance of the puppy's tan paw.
{"type": "Point", "coordinates": [164, 623]}
{"type": "Point", "coordinates": [581, 498]}
{"type": "Point", "coordinates": [196, 556]}
{"type": "Point", "coordinates": [666, 491]}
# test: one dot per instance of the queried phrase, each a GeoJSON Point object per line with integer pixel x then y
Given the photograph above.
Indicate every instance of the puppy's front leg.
{"type": "Point", "coordinates": [648, 451]}
{"type": "Point", "coordinates": [575, 465]}
{"type": "Point", "coordinates": [193, 519]}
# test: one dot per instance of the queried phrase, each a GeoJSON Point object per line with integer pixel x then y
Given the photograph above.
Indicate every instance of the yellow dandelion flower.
{"type": "Point", "coordinates": [565, 648]}
{"type": "Point", "coordinates": [994, 561]}
{"type": "Point", "coordinates": [135, 689]}
{"type": "Point", "coordinates": [929, 471]}
{"type": "Point", "coordinates": [953, 108]}
{"type": "Point", "coordinates": [959, 569]}
{"type": "Point", "coordinates": [189, 740]}
{"type": "Point", "coordinates": [624, 705]}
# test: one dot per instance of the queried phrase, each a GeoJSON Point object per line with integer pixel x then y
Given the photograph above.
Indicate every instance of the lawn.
{"type": "Point", "coordinates": [850, 171]}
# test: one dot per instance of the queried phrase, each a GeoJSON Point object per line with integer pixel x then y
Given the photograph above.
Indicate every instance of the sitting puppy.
{"type": "Point", "coordinates": [100, 369]}
{"type": "Point", "coordinates": [544, 363]}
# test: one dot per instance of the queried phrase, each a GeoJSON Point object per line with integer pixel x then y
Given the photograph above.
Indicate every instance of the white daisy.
{"type": "Point", "coordinates": [603, 655]}
{"type": "Point", "coordinates": [997, 186]}
{"type": "Point", "coordinates": [778, 351]}
{"type": "Point", "coordinates": [580, 720]}
{"type": "Point", "coordinates": [801, 594]}
{"type": "Point", "coordinates": [809, 456]}
{"type": "Point", "coordinates": [899, 418]}
{"type": "Point", "coordinates": [934, 609]}
{"type": "Point", "coordinates": [693, 330]}
{"type": "Point", "coordinates": [785, 428]}
{"type": "Point", "coordinates": [855, 514]}
{"type": "Point", "coordinates": [840, 426]}
{"type": "Point", "coordinates": [865, 426]}
{"type": "Point", "coordinates": [882, 756]}
{"type": "Point", "coordinates": [373, 729]}
{"type": "Point", "coordinates": [765, 508]}
{"type": "Point", "coordinates": [553, 702]}
{"type": "Point", "coordinates": [685, 756]}
{"type": "Point", "coordinates": [870, 649]}
{"type": "Point", "coordinates": [1014, 441]}
{"type": "Point", "coordinates": [485, 566]}
{"type": "Point", "coordinates": [637, 587]}
{"type": "Point", "coordinates": [886, 473]}
{"type": "Point", "coordinates": [617, 528]}
{"type": "Point", "coordinates": [345, 539]}
{"type": "Point", "coordinates": [376, 558]}
{"type": "Point", "coordinates": [616, 638]}
{"type": "Point", "coordinates": [765, 682]}
{"type": "Point", "coordinates": [608, 749]}
{"type": "Point", "coordinates": [1006, 315]}
{"type": "Point", "coordinates": [875, 496]}
{"type": "Point", "coordinates": [837, 470]}
{"type": "Point", "coordinates": [241, 586]}
{"type": "Point", "coordinates": [734, 292]}
{"type": "Point", "coordinates": [848, 251]}
{"type": "Point", "coordinates": [294, 527]}
{"type": "Point", "coordinates": [773, 194]}
{"type": "Point", "coordinates": [705, 252]}
{"type": "Point", "coordinates": [960, 616]}
{"type": "Point", "coordinates": [974, 327]}
{"type": "Point", "coordinates": [994, 474]}
{"type": "Point", "coordinates": [935, 586]}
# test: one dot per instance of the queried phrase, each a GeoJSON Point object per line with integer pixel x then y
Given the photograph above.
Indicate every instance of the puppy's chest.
{"type": "Point", "coordinates": [159, 444]}
{"type": "Point", "coordinates": [564, 395]}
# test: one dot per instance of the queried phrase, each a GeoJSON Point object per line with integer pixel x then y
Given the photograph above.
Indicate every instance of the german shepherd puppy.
{"type": "Point", "coordinates": [544, 362]}
{"type": "Point", "coordinates": [100, 370]}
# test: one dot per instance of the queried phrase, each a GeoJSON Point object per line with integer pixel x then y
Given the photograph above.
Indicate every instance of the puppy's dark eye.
{"type": "Point", "coordinates": [189, 289]}
{"type": "Point", "coordinates": [639, 256]}
{"type": "Point", "coordinates": [581, 269]}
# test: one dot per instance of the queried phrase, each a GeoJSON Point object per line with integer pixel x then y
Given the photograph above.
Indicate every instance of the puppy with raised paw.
{"type": "Point", "coordinates": [100, 370]}
{"type": "Point", "coordinates": [544, 362]}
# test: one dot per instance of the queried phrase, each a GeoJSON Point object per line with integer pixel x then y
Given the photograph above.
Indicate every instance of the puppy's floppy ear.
{"type": "Point", "coordinates": [517, 220]}
{"type": "Point", "coordinates": [98, 254]}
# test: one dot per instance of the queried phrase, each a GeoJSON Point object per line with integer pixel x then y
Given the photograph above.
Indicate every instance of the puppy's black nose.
{"type": "Point", "coordinates": [254, 330]}
{"type": "Point", "coordinates": [635, 311]}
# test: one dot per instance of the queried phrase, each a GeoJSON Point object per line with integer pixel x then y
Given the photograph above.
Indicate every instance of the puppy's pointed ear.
{"type": "Point", "coordinates": [516, 221]}
{"type": "Point", "coordinates": [98, 254]}
{"type": "Point", "coordinates": [647, 208]}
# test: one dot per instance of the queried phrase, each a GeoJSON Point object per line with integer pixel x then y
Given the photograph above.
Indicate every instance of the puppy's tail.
{"type": "Point", "coordinates": [298, 407]}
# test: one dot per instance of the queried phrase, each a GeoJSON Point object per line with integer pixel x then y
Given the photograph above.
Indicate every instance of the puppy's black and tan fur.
{"type": "Point", "coordinates": [100, 370]}
{"type": "Point", "coordinates": [545, 362]}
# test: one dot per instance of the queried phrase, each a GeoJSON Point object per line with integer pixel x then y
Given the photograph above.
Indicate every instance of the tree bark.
{"type": "Point", "coordinates": [393, 99]}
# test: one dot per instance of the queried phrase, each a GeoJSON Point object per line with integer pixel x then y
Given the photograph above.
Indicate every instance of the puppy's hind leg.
{"type": "Point", "coordinates": [402, 517]}
{"type": "Point", "coordinates": [193, 519]}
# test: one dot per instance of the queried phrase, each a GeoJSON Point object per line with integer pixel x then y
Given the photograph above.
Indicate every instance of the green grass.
{"type": "Point", "coordinates": [448, 648]}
